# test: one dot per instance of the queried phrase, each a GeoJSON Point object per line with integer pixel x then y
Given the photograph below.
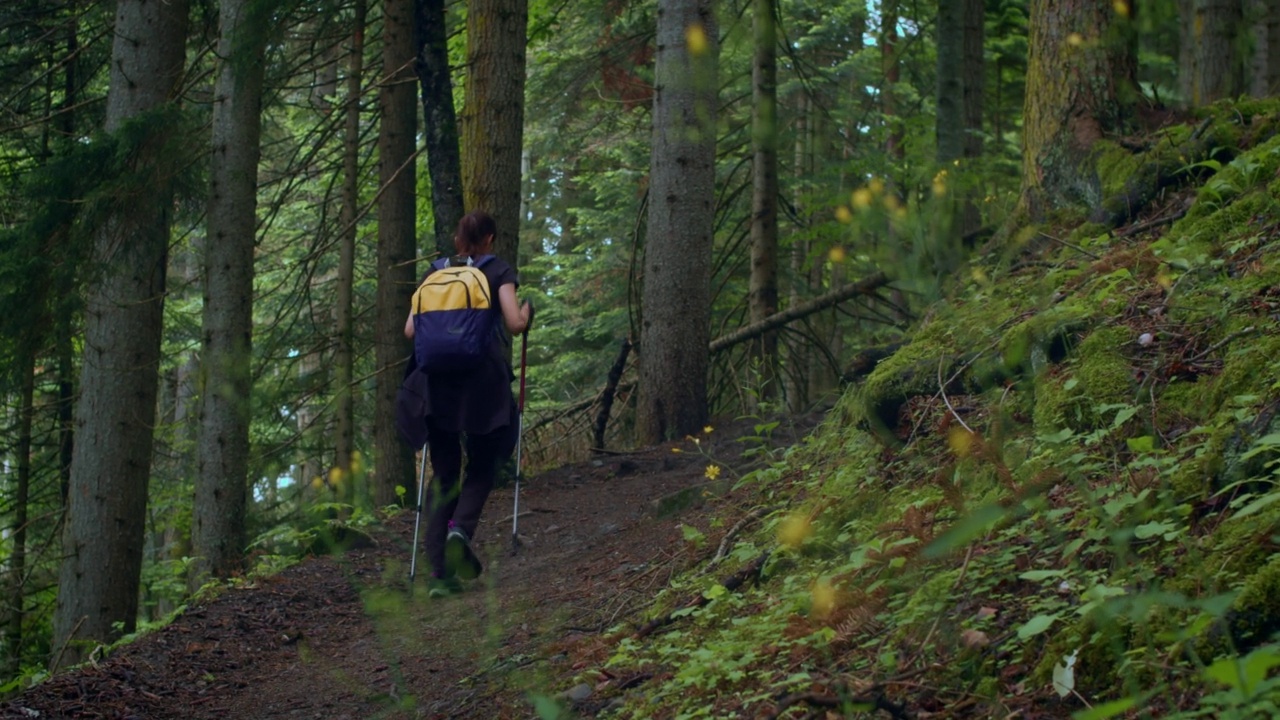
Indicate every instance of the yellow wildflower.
{"type": "Point", "coordinates": [708, 429]}
{"type": "Point", "coordinates": [794, 530]}
{"type": "Point", "coordinates": [823, 599]}
{"type": "Point", "coordinates": [696, 38]}
{"type": "Point", "coordinates": [712, 472]}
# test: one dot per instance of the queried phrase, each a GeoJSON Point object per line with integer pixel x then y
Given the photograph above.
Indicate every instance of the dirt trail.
{"type": "Point", "coordinates": [340, 637]}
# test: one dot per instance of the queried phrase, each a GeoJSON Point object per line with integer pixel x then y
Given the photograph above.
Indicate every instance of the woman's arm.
{"type": "Point", "coordinates": [408, 326]}
{"type": "Point", "coordinates": [515, 316]}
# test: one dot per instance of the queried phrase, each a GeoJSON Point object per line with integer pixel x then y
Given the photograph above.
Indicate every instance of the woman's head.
{"type": "Point", "coordinates": [475, 231]}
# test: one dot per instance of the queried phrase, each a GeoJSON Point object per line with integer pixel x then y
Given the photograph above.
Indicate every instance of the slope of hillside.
{"type": "Point", "coordinates": [1056, 499]}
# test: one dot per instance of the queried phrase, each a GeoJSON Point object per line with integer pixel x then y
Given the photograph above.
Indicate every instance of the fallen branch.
{"type": "Point", "coordinates": [610, 389]}
{"type": "Point", "coordinates": [866, 286]}
{"type": "Point", "coordinates": [723, 549]}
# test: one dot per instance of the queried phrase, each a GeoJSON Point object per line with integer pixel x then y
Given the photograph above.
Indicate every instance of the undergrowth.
{"type": "Point", "coordinates": [1058, 499]}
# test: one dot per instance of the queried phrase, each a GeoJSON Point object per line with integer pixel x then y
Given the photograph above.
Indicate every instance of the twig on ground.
{"type": "Point", "coordinates": [723, 550]}
{"type": "Point", "coordinates": [1066, 244]}
{"type": "Point", "coordinates": [942, 390]}
{"type": "Point", "coordinates": [1223, 341]}
{"type": "Point", "coordinates": [58, 660]}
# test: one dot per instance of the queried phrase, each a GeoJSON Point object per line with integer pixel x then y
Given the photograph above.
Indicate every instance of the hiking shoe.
{"type": "Point", "coordinates": [443, 587]}
{"type": "Point", "coordinates": [458, 555]}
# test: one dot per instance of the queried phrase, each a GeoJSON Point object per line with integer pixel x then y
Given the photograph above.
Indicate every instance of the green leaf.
{"type": "Point", "coordinates": [1258, 504]}
{"type": "Point", "coordinates": [1036, 625]}
{"type": "Point", "coordinates": [968, 528]}
{"type": "Point", "coordinates": [1144, 444]}
{"type": "Point", "coordinates": [1152, 529]}
{"type": "Point", "coordinates": [1042, 574]}
{"type": "Point", "coordinates": [1123, 415]}
{"type": "Point", "coordinates": [1245, 674]}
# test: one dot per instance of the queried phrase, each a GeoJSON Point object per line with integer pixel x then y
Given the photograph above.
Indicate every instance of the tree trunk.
{"type": "Point", "coordinates": [1210, 31]}
{"type": "Point", "coordinates": [764, 192]}
{"type": "Point", "coordinates": [677, 262]}
{"type": "Point", "coordinates": [493, 116]}
{"type": "Point", "coordinates": [795, 370]}
{"type": "Point", "coordinates": [891, 72]}
{"type": "Point", "coordinates": [107, 498]}
{"type": "Point", "coordinates": [18, 537]}
{"type": "Point", "coordinates": [397, 246]}
{"type": "Point", "coordinates": [344, 356]}
{"type": "Point", "coordinates": [1264, 66]}
{"type": "Point", "coordinates": [218, 515]}
{"type": "Point", "coordinates": [440, 124]}
{"type": "Point", "coordinates": [1074, 75]}
{"type": "Point", "coordinates": [959, 120]}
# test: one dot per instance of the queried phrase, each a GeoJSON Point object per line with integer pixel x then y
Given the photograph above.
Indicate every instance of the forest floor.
{"type": "Point", "coordinates": [344, 637]}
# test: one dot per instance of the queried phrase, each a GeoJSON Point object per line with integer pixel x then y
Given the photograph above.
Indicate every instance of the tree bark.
{"type": "Point", "coordinates": [1264, 66]}
{"type": "Point", "coordinates": [794, 370]}
{"type": "Point", "coordinates": [397, 246]}
{"type": "Point", "coordinates": [892, 71]}
{"type": "Point", "coordinates": [107, 498]}
{"type": "Point", "coordinates": [18, 534]}
{"type": "Point", "coordinates": [763, 289]}
{"type": "Point", "coordinates": [440, 123]}
{"type": "Point", "coordinates": [493, 116]}
{"type": "Point", "coordinates": [344, 357]}
{"type": "Point", "coordinates": [676, 310]}
{"type": "Point", "coordinates": [218, 515]}
{"type": "Point", "coordinates": [1074, 74]}
{"type": "Point", "coordinates": [1212, 67]}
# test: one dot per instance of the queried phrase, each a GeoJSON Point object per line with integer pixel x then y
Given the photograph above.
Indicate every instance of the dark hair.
{"type": "Point", "coordinates": [473, 228]}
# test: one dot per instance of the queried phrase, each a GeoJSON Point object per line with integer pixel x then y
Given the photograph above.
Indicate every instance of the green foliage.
{"type": "Point", "coordinates": [1107, 546]}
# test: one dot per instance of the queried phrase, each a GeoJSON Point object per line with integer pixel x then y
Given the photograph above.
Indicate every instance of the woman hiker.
{"type": "Point", "coordinates": [472, 407]}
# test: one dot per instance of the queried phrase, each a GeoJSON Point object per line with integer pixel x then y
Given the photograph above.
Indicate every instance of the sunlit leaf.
{"type": "Point", "coordinates": [1036, 625]}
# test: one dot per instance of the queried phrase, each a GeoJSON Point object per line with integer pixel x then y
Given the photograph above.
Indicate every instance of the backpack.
{"type": "Point", "coordinates": [453, 323]}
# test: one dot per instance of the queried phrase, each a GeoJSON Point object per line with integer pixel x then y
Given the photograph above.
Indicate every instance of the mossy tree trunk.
{"type": "Point", "coordinates": [397, 244]}
{"type": "Point", "coordinates": [1079, 70]}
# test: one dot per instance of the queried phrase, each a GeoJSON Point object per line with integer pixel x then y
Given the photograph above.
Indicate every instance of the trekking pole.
{"type": "Point", "coordinates": [515, 512]}
{"type": "Point", "coordinates": [413, 557]}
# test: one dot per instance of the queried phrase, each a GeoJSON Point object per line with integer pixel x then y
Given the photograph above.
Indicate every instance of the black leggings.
{"type": "Point", "coordinates": [460, 503]}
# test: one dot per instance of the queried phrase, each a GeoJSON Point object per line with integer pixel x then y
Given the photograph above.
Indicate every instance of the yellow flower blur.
{"type": "Point", "coordinates": [960, 441]}
{"type": "Point", "coordinates": [712, 472]}
{"type": "Point", "coordinates": [861, 198]}
{"type": "Point", "coordinates": [843, 214]}
{"type": "Point", "coordinates": [824, 599]}
{"type": "Point", "coordinates": [708, 429]}
{"type": "Point", "coordinates": [794, 530]}
{"type": "Point", "coordinates": [837, 254]}
{"type": "Point", "coordinates": [696, 38]}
